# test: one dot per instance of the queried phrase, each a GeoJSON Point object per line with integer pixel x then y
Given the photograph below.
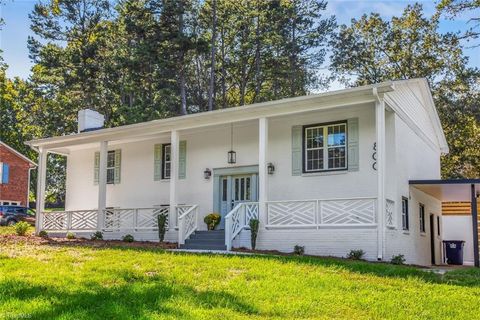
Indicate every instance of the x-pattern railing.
{"type": "Point", "coordinates": [238, 219]}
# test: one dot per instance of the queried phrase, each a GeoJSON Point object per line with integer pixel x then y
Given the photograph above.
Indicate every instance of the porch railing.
{"type": "Point", "coordinates": [137, 219]}
{"type": "Point", "coordinates": [78, 220]}
{"type": "Point", "coordinates": [239, 219]}
{"type": "Point", "coordinates": [319, 213]}
{"type": "Point", "coordinates": [187, 221]}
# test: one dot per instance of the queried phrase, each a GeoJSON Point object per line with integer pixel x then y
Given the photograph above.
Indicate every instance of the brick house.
{"type": "Point", "coordinates": [14, 176]}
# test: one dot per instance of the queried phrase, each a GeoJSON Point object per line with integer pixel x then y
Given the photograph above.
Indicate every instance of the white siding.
{"type": "Point", "coordinates": [460, 228]}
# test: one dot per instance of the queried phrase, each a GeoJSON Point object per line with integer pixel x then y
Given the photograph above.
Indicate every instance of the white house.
{"type": "Point", "coordinates": [329, 172]}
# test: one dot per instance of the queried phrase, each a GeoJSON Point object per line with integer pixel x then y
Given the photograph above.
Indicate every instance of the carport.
{"type": "Point", "coordinates": [455, 190]}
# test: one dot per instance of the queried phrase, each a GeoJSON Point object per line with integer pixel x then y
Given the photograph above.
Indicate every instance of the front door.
{"type": "Point", "coordinates": [235, 189]}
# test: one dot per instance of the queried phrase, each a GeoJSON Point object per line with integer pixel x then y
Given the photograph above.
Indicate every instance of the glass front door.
{"type": "Point", "coordinates": [236, 189]}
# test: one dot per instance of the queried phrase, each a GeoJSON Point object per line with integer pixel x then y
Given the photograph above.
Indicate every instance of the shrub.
{"type": "Point", "coordinates": [98, 235]}
{"type": "Point", "coordinates": [128, 238]}
{"type": "Point", "coordinates": [212, 220]}
{"type": "Point", "coordinates": [254, 223]}
{"type": "Point", "coordinates": [356, 254]}
{"type": "Point", "coordinates": [299, 250]}
{"type": "Point", "coordinates": [162, 220]}
{"type": "Point", "coordinates": [70, 235]}
{"type": "Point", "coordinates": [43, 234]}
{"type": "Point", "coordinates": [398, 259]}
{"type": "Point", "coordinates": [21, 228]}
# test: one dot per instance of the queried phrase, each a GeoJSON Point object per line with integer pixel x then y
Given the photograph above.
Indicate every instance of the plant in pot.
{"type": "Point", "coordinates": [212, 220]}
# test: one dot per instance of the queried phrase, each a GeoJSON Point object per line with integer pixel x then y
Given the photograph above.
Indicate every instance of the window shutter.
{"type": "Point", "coordinates": [118, 164]}
{"type": "Point", "coordinates": [297, 150]}
{"type": "Point", "coordinates": [5, 173]}
{"type": "Point", "coordinates": [353, 144]}
{"type": "Point", "coordinates": [157, 162]}
{"type": "Point", "coordinates": [96, 168]}
{"type": "Point", "coordinates": [182, 160]}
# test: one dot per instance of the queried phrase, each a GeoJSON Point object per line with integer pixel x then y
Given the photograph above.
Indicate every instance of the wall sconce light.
{"type": "Point", "coordinates": [270, 168]}
{"type": "Point", "coordinates": [207, 174]}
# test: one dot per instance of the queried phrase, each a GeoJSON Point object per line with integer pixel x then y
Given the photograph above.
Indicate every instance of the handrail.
{"type": "Point", "coordinates": [237, 220]}
{"type": "Point", "coordinates": [187, 224]}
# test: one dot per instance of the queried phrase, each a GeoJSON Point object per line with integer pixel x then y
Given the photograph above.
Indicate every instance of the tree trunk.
{"type": "Point", "coordinates": [224, 72]}
{"type": "Point", "coordinates": [183, 98]}
{"type": "Point", "coordinates": [212, 68]}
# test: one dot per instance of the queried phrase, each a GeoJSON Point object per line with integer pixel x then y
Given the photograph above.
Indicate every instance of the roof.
{"type": "Point", "coordinates": [448, 190]}
{"type": "Point", "coordinates": [33, 164]}
{"type": "Point", "coordinates": [322, 101]}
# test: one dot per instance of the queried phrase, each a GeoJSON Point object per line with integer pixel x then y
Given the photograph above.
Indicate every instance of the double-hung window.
{"type": "Point", "coordinates": [166, 161]}
{"type": "Point", "coordinates": [405, 213]}
{"type": "Point", "coordinates": [421, 212]}
{"type": "Point", "coordinates": [111, 167]}
{"type": "Point", "coordinates": [325, 147]}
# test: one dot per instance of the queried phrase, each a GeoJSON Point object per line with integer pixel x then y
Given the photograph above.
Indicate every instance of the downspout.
{"type": "Point", "coordinates": [380, 150]}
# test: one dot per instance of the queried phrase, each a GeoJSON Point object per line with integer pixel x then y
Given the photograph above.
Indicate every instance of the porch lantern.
{"type": "Point", "coordinates": [207, 174]}
{"type": "Point", "coordinates": [270, 168]}
{"type": "Point", "coordinates": [232, 155]}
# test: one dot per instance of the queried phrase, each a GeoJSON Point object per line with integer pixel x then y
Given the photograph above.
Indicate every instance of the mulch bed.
{"type": "Point", "coordinates": [83, 242]}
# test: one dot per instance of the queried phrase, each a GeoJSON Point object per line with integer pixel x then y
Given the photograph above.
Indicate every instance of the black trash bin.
{"type": "Point", "coordinates": [454, 251]}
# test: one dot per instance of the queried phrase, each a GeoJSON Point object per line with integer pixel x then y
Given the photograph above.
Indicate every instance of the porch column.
{"type": "Point", "coordinates": [380, 150]}
{"type": "Point", "coordinates": [41, 182]}
{"type": "Point", "coordinates": [473, 205]}
{"type": "Point", "coordinates": [262, 171]}
{"type": "Point", "coordinates": [102, 183]}
{"type": "Point", "coordinates": [172, 221]}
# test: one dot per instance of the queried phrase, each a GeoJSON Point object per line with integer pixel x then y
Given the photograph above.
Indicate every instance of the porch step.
{"type": "Point", "coordinates": [206, 240]}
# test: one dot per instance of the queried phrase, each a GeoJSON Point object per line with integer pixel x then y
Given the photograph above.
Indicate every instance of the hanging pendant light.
{"type": "Point", "coordinates": [232, 155]}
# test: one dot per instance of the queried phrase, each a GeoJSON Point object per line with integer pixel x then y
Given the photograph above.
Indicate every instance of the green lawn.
{"type": "Point", "coordinates": [39, 281]}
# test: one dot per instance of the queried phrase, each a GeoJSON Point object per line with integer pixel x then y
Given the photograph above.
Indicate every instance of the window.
{"type": "Point", "coordinates": [325, 147]}
{"type": "Point", "coordinates": [404, 213]}
{"type": "Point", "coordinates": [438, 225]}
{"type": "Point", "coordinates": [111, 167]}
{"type": "Point", "coordinates": [166, 161]}
{"type": "Point", "coordinates": [421, 211]}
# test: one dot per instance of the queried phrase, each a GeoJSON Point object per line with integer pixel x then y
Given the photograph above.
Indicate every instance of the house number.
{"type": "Point", "coordinates": [374, 157]}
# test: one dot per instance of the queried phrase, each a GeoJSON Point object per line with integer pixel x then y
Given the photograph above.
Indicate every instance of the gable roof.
{"type": "Point", "coordinates": [325, 100]}
{"type": "Point", "coordinates": [18, 154]}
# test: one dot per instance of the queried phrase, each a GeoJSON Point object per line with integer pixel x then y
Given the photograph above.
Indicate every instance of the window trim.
{"type": "Point", "coordinates": [421, 216]}
{"type": "Point", "coordinates": [405, 222]}
{"type": "Point", "coordinates": [164, 162]}
{"type": "Point", "coordinates": [325, 151]}
{"type": "Point", "coordinates": [112, 168]}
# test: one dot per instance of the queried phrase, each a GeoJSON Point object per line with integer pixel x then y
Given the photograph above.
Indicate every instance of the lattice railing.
{"type": "Point", "coordinates": [318, 213]}
{"type": "Point", "coordinates": [390, 213]}
{"type": "Point", "coordinates": [238, 219]}
{"type": "Point", "coordinates": [137, 219]}
{"type": "Point", "coordinates": [78, 220]}
{"type": "Point", "coordinates": [187, 222]}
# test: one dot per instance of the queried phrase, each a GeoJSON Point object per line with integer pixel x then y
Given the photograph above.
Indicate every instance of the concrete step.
{"type": "Point", "coordinates": [205, 241]}
{"type": "Point", "coordinates": [203, 247]}
{"type": "Point", "coordinates": [208, 236]}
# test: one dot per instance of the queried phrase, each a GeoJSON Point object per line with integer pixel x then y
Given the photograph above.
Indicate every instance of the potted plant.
{"type": "Point", "coordinates": [212, 220]}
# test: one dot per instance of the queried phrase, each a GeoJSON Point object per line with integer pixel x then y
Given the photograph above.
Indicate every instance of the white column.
{"type": "Point", "coordinates": [380, 135]}
{"type": "Point", "coordinates": [262, 171]}
{"type": "Point", "coordinates": [174, 140]}
{"type": "Point", "coordinates": [41, 182]}
{"type": "Point", "coordinates": [102, 183]}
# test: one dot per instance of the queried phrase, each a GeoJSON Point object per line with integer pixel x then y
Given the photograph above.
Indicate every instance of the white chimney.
{"type": "Point", "coordinates": [89, 120]}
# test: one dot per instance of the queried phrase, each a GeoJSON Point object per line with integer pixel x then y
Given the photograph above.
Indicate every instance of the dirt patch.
{"type": "Point", "coordinates": [34, 240]}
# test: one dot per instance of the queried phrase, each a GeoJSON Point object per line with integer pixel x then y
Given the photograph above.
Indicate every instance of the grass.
{"type": "Point", "coordinates": [74, 282]}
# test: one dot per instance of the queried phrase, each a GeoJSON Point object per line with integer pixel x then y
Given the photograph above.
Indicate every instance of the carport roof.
{"type": "Point", "coordinates": [447, 190]}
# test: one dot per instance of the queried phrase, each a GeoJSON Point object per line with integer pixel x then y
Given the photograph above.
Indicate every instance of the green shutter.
{"type": "Point", "coordinates": [353, 144]}
{"type": "Point", "coordinates": [96, 170]}
{"type": "Point", "coordinates": [118, 165]}
{"type": "Point", "coordinates": [182, 160]}
{"type": "Point", "coordinates": [157, 162]}
{"type": "Point", "coordinates": [296, 150]}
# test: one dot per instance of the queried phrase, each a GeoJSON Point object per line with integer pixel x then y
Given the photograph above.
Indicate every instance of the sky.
{"type": "Point", "coordinates": [15, 32]}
